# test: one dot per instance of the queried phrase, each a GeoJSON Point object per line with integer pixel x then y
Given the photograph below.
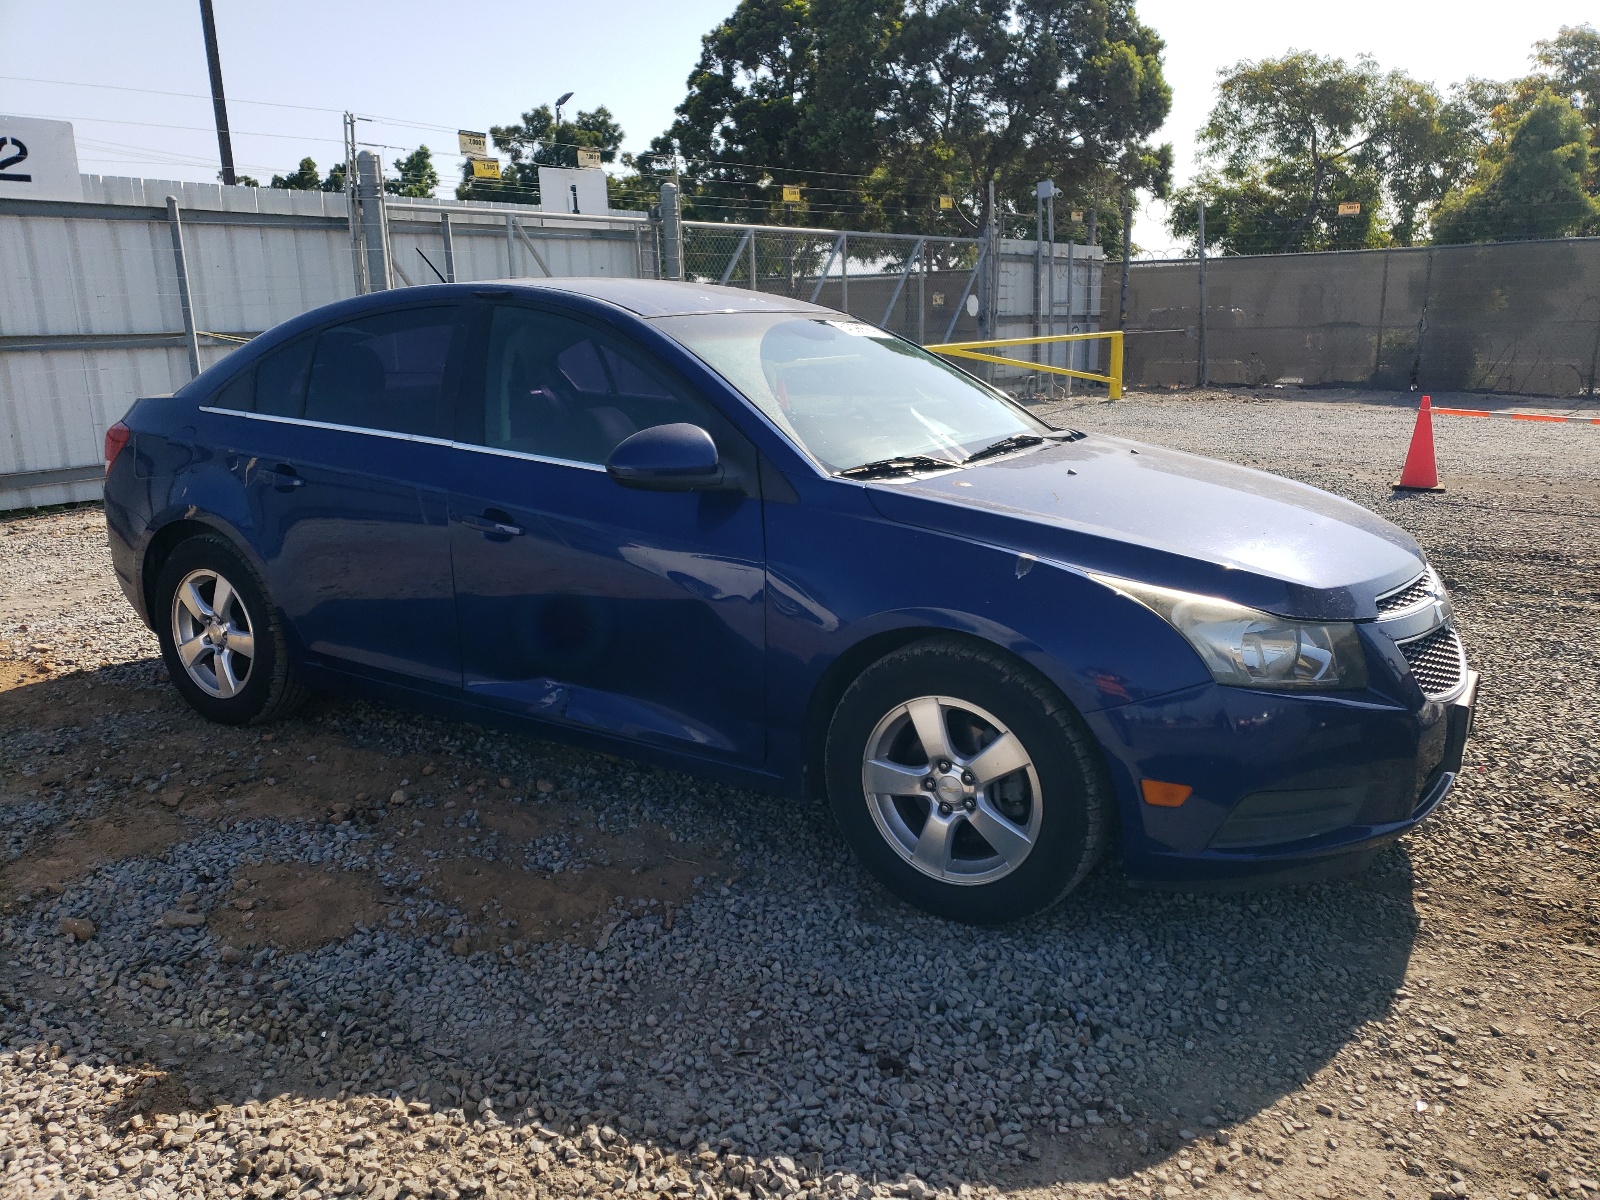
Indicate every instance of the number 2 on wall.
{"type": "Point", "coordinates": [20, 152]}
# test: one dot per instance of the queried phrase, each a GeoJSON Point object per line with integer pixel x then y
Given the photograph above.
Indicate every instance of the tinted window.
{"type": "Point", "coordinates": [281, 378]}
{"type": "Point", "coordinates": [239, 394]}
{"type": "Point", "coordinates": [557, 388]}
{"type": "Point", "coordinates": [384, 372]}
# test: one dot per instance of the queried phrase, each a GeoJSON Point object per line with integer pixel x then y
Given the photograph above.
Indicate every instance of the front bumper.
{"type": "Point", "coordinates": [1285, 787]}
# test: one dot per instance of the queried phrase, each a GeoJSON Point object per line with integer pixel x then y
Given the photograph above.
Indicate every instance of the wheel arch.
{"type": "Point", "coordinates": [173, 534]}
{"type": "Point", "coordinates": [848, 667]}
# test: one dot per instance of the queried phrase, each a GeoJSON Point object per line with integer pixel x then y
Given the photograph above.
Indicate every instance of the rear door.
{"type": "Point", "coordinates": [635, 613]}
{"type": "Point", "coordinates": [347, 447]}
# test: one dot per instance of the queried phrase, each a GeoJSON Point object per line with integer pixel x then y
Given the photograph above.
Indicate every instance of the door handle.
{"type": "Point", "coordinates": [287, 478]}
{"type": "Point", "coordinates": [488, 524]}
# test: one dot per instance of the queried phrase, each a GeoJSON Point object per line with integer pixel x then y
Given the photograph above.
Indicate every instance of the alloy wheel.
{"type": "Point", "coordinates": [213, 633]}
{"type": "Point", "coordinates": [952, 790]}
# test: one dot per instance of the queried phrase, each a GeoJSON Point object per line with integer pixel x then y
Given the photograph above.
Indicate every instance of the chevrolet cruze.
{"type": "Point", "coordinates": [761, 540]}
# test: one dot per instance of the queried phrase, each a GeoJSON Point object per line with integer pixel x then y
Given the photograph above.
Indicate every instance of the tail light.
{"type": "Point", "coordinates": [117, 439]}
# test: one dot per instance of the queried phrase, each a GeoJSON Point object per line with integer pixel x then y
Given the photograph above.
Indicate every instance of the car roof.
{"type": "Point", "coordinates": [664, 297]}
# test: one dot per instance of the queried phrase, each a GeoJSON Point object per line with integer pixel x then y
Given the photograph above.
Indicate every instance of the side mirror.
{"type": "Point", "coordinates": [667, 458]}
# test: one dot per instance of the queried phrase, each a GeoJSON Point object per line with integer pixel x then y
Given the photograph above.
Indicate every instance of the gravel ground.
{"type": "Point", "coordinates": [371, 953]}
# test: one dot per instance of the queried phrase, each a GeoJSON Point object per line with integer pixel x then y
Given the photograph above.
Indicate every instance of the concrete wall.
{"type": "Point", "coordinates": [1522, 318]}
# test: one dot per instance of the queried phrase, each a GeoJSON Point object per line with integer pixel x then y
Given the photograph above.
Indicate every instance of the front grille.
{"type": "Point", "coordinates": [1436, 660]}
{"type": "Point", "coordinates": [1414, 592]}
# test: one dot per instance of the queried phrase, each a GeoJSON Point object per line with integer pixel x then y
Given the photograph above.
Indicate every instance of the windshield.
{"type": "Point", "coordinates": [849, 393]}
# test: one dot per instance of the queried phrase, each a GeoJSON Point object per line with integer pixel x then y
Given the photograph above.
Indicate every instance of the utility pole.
{"type": "Point", "coordinates": [1205, 366]}
{"type": "Point", "coordinates": [1070, 347]}
{"type": "Point", "coordinates": [1040, 190]}
{"type": "Point", "coordinates": [1050, 278]}
{"type": "Point", "coordinates": [358, 258]}
{"type": "Point", "coordinates": [1127, 252]}
{"type": "Point", "coordinates": [671, 232]}
{"type": "Point", "coordinates": [988, 256]}
{"type": "Point", "coordinates": [219, 105]}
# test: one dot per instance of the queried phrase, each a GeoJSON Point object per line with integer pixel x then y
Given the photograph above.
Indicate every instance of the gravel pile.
{"type": "Point", "coordinates": [372, 953]}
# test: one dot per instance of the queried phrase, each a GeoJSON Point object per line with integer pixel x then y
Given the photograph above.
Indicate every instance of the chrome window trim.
{"type": "Point", "coordinates": [404, 437]}
{"type": "Point", "coordinates": [329, 425]}
{"type": "Point", "coordinates": [523, 454]}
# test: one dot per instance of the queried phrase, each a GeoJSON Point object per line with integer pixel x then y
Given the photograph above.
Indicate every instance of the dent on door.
{"type": "Point", "coordinates": [656, 642]}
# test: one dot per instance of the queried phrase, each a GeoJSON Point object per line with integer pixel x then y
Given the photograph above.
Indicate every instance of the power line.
{"type": "Point", "coordinates": [382, 119]}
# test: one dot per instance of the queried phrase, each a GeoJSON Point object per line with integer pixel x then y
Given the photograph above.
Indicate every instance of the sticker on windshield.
{"type": "Point", "coordinates": [859, 329]}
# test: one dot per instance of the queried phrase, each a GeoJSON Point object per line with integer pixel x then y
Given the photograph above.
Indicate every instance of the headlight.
{"type": "Point", "coordinates": [1245, 647]}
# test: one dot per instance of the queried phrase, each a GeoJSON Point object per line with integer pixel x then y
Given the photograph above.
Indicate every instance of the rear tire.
{"type": "Point", "coordinates": [966, 783]}
{"type": "Point", "coordinates": [221, 637]}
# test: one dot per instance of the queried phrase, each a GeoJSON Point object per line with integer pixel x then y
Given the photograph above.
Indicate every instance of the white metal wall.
{"type": "Point", "coordinates": [1022, 312]}
{"type": "Point", "coordinates": [619, 246]}
{"type": "Point", "coordinates": [90, 317]}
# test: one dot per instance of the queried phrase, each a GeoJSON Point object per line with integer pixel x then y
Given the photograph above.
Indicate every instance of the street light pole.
{"type": "Point", "coordinates": [560, 100]}
{"type": "Point", "coordinates": [219, 105]}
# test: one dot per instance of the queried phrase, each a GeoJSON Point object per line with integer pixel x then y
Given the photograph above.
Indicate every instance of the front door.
{"type": "Point", "coordinates": [348, 475]}
{"type": "Point", "coordinates": [633, 613]}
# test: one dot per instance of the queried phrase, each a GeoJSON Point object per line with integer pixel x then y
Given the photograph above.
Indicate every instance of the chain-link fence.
{"type": "Point", "coordinates": [923, 288]}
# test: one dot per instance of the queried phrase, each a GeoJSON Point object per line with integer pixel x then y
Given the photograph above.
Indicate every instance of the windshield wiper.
{"type": "Point", "coordinates": [904, 465]}
{"type": "Point", "coordinates": [1017, 441]}
{"type": "Point", "coordinates": [1020, 441]}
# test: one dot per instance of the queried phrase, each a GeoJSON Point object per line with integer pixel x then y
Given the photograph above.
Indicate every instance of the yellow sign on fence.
{"type": "Point", "coordinates": [1349, 208]}
{"type": "Point", "coordinates": [947, 202]}
{"type": "Point", "coordinates": [791, 194]}
{"type": "Point", "coordinates": [486, 168]}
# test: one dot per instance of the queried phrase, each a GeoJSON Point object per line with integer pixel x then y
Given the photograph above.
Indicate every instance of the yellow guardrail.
{"type": "Point", "coordinates": [1112, 379]}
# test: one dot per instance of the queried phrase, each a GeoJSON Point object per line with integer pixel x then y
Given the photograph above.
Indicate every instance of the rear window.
{"type": "Point", "coordinates": [238, 395]}
{"type": "Point", "coordinates": [281, 378]}
{"type": "Point", "coordinates": [384, 372]}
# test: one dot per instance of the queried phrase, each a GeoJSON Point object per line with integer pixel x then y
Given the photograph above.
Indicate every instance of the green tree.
{"type": "Point", "coordinates": [1569, 66]}
{"type": "Point", "coordinates": [417, 177]}
{"type": "Point", "coordinates": [879, 107]}
{"type": "Point", "coordinates": [1425, 148]}
{"type": "Point", "coordinates": [1292, 138]}
{"type": "Point", "coordinates": [784, 92]}
{"type": "Point", "coordinates": [1017, 92]}
{"type": "Point", "coordinates": [303, 179]}
{"type": "Point", "coordinates": [1530, 185]}
{"type": "Point", "coordinates": [536, 141]}
{"type": "Point", "coordinates": [335, 179]}
{"type": "Point", "coordinates": [1571, 63]}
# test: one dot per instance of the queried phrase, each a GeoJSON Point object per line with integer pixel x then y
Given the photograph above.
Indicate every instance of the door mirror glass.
{"type": "Point", "coordinates": [667, 458]}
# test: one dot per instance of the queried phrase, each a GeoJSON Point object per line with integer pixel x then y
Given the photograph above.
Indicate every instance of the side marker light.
{"type": "Point", "coordinates": [1165, 795]}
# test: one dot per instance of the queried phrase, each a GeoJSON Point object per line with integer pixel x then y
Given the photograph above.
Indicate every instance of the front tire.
{"type": "Point", "coordinates": [221, 637]}
{"type": "Point", "coordinates": [966, 783]}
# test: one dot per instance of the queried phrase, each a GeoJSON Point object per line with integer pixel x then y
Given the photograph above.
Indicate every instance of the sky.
{"type": "Point", "coordinates": [422, 70]}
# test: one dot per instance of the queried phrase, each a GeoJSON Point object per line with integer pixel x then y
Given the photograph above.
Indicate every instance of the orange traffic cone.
{"type": "Point", "coordinates": [1421, 472]}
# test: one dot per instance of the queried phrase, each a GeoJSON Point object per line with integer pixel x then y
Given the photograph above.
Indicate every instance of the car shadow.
{"type": "Point", "coordinates": [778, 1003]}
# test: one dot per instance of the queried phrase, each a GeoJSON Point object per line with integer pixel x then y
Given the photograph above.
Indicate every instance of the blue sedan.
{"type": "Point", "coordinates": [760, 540]}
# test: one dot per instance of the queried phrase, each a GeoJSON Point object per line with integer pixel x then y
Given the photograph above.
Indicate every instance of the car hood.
{"type": "Point", "coordinates": [1173, 519]}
